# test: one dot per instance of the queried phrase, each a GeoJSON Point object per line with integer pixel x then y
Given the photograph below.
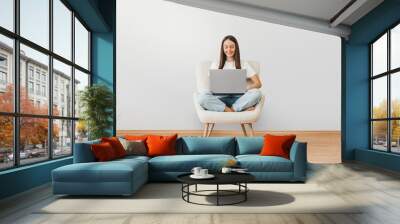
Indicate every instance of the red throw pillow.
{"type": "Point", "coordinates": [103, 152]}
{"type": "Point", "coordinates": [277, 145]}
{"type": "Point", "coordinates": [116, 145]}
{"type": "Point", "coordinates": [161, 145]}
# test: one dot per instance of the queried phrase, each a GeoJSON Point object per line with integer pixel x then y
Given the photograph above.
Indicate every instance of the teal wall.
{"type": "Point", "coordinates": [103, 52]}
{"type": "Point", "coordinates": [99, 15]}
{"type": "Point", "coordinates": [102, 59]}
{"type": "Point", "coordinates": [24, 178]}
{"type": "Point", "coordinates": [356, 83]}
{"type": "Point", "coordinates": [103, 64]}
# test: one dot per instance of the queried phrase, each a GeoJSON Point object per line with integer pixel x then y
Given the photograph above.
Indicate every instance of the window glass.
{"type": "Point", "coordinates": [81, 82]}
{"type": "Point", "coordinates": [39, 62]}
{"type": "Point", "coordinates": [34, 21]}
{"type": "Point", "coordinates": [62, 29]}
{"type": "Point", "coordinates": [395, 94]}
{"type": "Point", "coordinates": [379, 100]}
{"type": "Point", "coordinates": [7, 14]}
{"type": "Point", "coordinates": [33, 140]}
{"type": "Point", "coordinates": [6, 74]}
{"type": "Point", "coordinates": [62, 137]}
{"type": "Point", "coordinates": [62, 91]}
{"type": "Point", "coordinates": [81, 131]}
{"type": "Point", "coordinates": [6, 142]}
{"type": "Point", "coordinates": [379, 135]}
{"type": "Point", "coordinates": [395, 136]}
{"type": "Point", "coordinates": [379, 55]}
{"type": "Point", "coordinates": [81, 45]}
{"type": "Point", "coordinates": [34, 81]}
{"type": "Point", "coordinates": [395, 47]}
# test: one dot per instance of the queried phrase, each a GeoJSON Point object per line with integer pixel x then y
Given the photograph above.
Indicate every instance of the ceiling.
{"type": "Point", "coordinates": [326, 16]}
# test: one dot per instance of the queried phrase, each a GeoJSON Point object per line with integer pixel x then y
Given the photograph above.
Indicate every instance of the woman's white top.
{"type": "Point", "coordinates": [231, 65]}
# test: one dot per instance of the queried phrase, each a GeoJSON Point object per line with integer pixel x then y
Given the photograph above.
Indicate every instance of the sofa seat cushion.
{"type": "Point", "coordinates": [133, 158]}
{"type": "Point", "coordinates": [185, 163]}
{"type": "Point", "coordinates": [111, 171]}
{"type": "Point", "coordinates": [257, 163]}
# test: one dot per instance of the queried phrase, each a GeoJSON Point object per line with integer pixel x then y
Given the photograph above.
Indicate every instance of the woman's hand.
{"type": "Point", "coordinates": [253, 82]}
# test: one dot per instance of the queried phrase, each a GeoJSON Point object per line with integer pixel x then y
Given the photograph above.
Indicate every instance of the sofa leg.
{"type": "Point", "coordinates": [251, 129]}
{"type": "Point", "coordinates": [244, 129]}
{"type": "Point", "coordinates": [211, 127]}
{"type": "Point", "coordinates": [205, 132]}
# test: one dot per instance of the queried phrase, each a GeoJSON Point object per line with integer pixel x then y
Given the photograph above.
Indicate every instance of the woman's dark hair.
{"type": "Point", "coordinates": [222, 57]}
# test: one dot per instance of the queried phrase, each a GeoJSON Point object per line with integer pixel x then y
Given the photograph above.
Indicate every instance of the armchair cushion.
{"type": "Point", "coordinates": [207, 116]}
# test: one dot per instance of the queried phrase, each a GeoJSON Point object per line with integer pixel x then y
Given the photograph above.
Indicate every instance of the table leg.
{"type": "Point", "coordinates": [217, 194]}
{"type": "Point", "coordinates": [245, 193]}
{"type": "Point", "coordinates": [188, 192]}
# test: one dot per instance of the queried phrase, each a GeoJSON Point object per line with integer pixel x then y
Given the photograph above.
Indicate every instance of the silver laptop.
{"type": "Point", "coordinates": [228, 81]}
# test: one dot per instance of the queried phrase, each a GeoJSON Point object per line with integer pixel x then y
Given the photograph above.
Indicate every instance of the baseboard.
{"type": "Point", "coordinates": [323, 146]}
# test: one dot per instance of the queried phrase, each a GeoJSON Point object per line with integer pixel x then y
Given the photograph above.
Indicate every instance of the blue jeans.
{"type": "Point", "coordinates": [238, 102]}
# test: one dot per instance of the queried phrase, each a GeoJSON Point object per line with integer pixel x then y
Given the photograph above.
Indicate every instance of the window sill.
{"type": "Point", "coordinates": [17, 169]}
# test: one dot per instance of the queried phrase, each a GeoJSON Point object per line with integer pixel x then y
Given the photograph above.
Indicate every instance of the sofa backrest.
{"type": "Point", "coordinates": [249, 145]}
{"type": "Point", "coordinates": [83, 152]}
{"type": "Point", "coordinates": [206, 145]}
{"type": "Point", "coordinates": [191, 146]}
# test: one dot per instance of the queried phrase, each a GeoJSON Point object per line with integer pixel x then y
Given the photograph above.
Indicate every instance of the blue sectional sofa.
{"type": "Point", "coordinates": [125, 176]}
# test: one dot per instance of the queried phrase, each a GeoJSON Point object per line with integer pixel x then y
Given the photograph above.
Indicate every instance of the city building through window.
{"type": "Point", "coordinates": [47, 90]}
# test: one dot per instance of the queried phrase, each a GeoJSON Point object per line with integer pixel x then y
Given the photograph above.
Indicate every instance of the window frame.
{"type": "Point", "coordinates": [388, 74]}
{"type": "Point", "coordinates": [16, 114]}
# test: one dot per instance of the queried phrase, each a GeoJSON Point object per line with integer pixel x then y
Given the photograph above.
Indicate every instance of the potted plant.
{"type": "Point", "coordinates": [96, 102]}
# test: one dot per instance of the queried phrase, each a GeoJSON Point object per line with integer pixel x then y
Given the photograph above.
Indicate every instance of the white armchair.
{"type": "Point", "coordinates": [210, 118]}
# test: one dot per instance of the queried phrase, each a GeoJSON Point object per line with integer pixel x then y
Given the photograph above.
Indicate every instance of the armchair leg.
{"type": "Point", "coordinates": [211, 127]}
{"type": "Point", "coordinates": [205, 132]}
{"type": "Point", "coordinates": [244, 129]}
{"type": "Point", "coordinates": [251, 129]}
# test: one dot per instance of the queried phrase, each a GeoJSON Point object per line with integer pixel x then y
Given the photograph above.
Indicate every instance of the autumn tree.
{"type": "Point", "coordinates": [6, 122]}
{"type": "Point", "coordinates": [33, 131]}
{"type": "Point", "coordinates": [380, 127]}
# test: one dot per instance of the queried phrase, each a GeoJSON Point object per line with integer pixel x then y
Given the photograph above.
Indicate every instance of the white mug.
{"type": "Point", "coordinates": [203, 172]}
{"type": "Point", "coordinates": [226, 170]}
{"type": "Point", "coordinates": [196, 171]}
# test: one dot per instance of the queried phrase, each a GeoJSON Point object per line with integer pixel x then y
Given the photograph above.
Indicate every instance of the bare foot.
{"type": "Point", "coordinates": [250, 109]}
{"type": "Point", "coordinates": [228, 109]}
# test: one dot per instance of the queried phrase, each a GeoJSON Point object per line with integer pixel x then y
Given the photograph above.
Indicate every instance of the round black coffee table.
{"type": "Point", "coordinates": [238, 179]}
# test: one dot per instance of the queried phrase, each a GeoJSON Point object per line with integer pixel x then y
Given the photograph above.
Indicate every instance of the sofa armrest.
{"type": "Point", "coordinates": [83, 152]}
{"type": "Point", "coordinates": [298, 155]}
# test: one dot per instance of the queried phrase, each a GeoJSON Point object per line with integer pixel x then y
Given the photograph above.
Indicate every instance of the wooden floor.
{"type": "Point", "coordinates": [379, 190]}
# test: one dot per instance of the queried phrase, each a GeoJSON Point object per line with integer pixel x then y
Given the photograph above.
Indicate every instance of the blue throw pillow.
{"type": "Point", "coordinates": [249, 145]}
{"type": "Point", "coordinates": [207, 145]}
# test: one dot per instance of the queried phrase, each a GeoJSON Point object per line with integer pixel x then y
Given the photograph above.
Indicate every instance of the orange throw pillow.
{"type": "Point", "coordinates": [116, 145]}
{"type": "Point", "coordinates": [161, 145]}
{"type": "Point", "coordinates": [103, 152]}
{"type": "Point", "coordinates": [275, 145]}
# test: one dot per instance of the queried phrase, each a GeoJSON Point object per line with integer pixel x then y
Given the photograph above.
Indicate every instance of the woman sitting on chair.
{"type": "Point", "coordinates": [230, 59]}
